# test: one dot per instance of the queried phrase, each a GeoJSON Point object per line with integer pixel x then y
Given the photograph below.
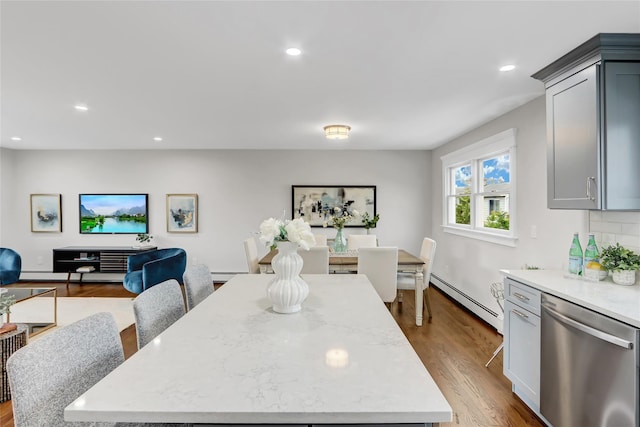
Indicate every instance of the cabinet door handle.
{"type": "Point", "coordinates": [520, 296]}
{"type": "Point", "coordinates": [520, 314]}
{"type": "Point", "coordinates": [589, 180]}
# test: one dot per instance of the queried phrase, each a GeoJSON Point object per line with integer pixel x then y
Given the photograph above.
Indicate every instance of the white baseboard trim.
{"type": "Point", "coordinates": [95, 277]}
{"type": "Point", "coordinates": [483, 312]}
{"type": "Point", "coordinates": [47, 276]}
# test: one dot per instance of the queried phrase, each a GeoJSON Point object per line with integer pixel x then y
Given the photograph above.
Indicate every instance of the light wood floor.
{"type": "Point", "coordinates": [454, 347]}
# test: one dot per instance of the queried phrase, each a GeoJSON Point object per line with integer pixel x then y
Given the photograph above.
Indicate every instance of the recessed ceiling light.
{"type": "Point", "coordinates": [509, 67]}
{"type": "Point", "coordinates": [293, 51]}
{"type": "Point", "coordinates": [16, 138]}
{"type": "Point", "coordinates": [80, 107]}
{"type": "Point", "coordinates": [157, 138]}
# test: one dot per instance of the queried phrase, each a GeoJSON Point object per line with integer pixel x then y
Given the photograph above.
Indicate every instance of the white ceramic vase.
{"type": "Point", "coordinates": [287, 290]}
{"type": "Point", "coordinates": [624, 277]}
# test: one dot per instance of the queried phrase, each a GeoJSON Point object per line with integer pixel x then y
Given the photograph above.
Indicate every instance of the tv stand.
{"type": "Point", "coordinates": [104, 259]}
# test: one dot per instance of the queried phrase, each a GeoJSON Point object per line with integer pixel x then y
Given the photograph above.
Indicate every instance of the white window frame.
{"type": "Point", "coordinates": [473, 155]}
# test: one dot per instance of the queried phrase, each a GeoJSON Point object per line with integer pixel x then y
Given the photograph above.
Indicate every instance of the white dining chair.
{"type": "Point", "coordinates": [251, 252]}
{"type": "Point", "coordinates": [315, 260]}
{"type": "Point", "coordinates": [321, 239]}
{"type": "Point", "coordinates": [156, 309]}
{"type": "Point", "coordinates": [198, 284]}
{"type": "Point", "coordinates": [380, 265]}
{"type": "Point", "coordinates": [357, 241]}
{"type": "Point", "coordinates": [407, 281]}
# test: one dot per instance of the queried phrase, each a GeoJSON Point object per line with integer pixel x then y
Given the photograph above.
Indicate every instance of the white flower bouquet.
{"type": "Point", "coordinates": [340, 218]}
{"type": "Point", "coordinates": [295, 231]}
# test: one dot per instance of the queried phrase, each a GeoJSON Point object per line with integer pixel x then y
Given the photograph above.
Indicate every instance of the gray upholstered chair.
{"type": "Point", "coordinates": [50, 373]}
{"type": "Point", "coordinates": [380, 265]}
{"type": "Point", "coordinates": [10, 266]}
{"type": "Point", "coordinates": [156, 309]}
{"type": "Point", "coordinates": [197, 284]}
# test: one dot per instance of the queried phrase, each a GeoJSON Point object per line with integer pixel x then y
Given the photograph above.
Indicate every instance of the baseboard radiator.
{"type": "Point", "coordinates": [475, 306]}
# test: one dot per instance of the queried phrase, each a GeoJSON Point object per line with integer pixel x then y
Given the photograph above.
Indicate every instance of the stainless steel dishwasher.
{"type": "Point", "coordinates": [590, 370]}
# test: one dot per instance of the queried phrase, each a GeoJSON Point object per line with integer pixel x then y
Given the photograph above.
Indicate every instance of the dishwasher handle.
{"type": "Point", "coordinates": [588, 329]}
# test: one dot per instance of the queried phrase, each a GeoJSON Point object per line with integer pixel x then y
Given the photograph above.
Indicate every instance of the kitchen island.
{"type": "Point", "coordinates": [232, 360]}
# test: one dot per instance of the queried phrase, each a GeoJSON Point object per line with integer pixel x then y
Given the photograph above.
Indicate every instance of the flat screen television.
{"type": "Point", "coordinates": [114, 213]}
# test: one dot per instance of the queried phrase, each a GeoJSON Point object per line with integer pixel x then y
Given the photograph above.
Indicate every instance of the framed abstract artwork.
{"type": "Point", "coordinates": [315, 203]}
{"type": "Point", "coordinates": [46, 213]}
{"type": "Point", "coordinates": [182, 213]}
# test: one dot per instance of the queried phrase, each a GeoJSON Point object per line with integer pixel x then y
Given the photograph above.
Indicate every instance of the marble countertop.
{"type": "Point", "coordinates": [342, 359]}
{"type": "Point", "coordinates": [605, 297]}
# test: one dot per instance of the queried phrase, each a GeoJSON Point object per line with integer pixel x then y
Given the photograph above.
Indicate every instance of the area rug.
{"type": "Point", "coordinates": [71, 309]}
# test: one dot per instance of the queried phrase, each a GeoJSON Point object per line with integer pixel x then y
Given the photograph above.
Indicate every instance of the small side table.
{"type": "Point", "coordinates": [81, 270]}
{"type": "Point", "coordinates": [10, 342]}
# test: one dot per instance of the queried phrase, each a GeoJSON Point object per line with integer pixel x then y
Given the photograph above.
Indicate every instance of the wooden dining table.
{"type": "Point", "coordinates": [347, 262]}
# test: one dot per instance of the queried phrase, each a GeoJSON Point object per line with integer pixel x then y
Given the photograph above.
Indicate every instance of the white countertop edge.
{"type": "Point", "coordinates": [435, 416]}
{"type": "Point", "coordinates": [598, 306]}
{"type": "Point", "coordinates": [254, 336]}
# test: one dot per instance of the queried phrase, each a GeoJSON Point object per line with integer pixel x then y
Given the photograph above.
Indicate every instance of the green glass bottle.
{"type": "Point", "coordinates": [591, 251]}
{"type": "Point", "coordinates": [575, 256]}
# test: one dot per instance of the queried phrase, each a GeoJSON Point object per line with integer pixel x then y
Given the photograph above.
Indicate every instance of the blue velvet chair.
{"type": "Point", "coordinates": [150, 268]}
{"type": "Point", "coordinates": [10, 266]}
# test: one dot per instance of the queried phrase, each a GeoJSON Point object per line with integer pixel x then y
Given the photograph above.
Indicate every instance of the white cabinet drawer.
{"type": "Point", "coordinates": [522, 352]}
{"type": "Point", "coordinates": [522, 295]}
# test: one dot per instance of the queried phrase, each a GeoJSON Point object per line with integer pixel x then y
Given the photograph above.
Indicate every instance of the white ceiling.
{"type": "Point", "coordinates": [213, 74]}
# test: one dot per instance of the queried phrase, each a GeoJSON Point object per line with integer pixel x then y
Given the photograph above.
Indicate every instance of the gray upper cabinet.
{"type": "Point", "coordinates": [593, 125]}
{"type": "Point", "coordinates": [622, 142]}
{"type": "Point", "coordinates": [572, 142]}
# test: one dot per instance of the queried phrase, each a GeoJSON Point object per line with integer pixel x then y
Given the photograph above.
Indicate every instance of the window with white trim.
{"type": "Point", "coordinates": [480, 191]}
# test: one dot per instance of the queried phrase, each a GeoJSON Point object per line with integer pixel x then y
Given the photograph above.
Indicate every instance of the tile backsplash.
{"type": "Point", "coordinates": [611, 227]}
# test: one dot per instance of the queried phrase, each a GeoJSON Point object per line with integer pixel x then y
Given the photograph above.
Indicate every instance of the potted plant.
{"type": "Point", "coordinates": [144, 239]}
{"type": "Point", "coordinates": [6, 301]}
{"type": "Point", "coordinates": [370, 222]}
{"type": "Point", "coordinates": [622, 262]}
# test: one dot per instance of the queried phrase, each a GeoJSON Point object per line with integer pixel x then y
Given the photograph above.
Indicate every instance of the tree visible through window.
{"type": "Point", "coordinates": [479, 186]}
{"type": "Point", "coordinates": [463, 210]}
{"type": "Point", "coordinates": [496, 177]}
{"type": "Point", "coordinates": [462, 183]}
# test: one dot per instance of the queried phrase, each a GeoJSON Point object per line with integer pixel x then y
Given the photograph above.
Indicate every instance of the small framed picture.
{"type": "Point", "coordinates": [46, 213]}
{"type": "Point", "coordinates": [182, 213]}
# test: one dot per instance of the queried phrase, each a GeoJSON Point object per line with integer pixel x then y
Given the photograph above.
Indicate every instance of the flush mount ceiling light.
{"type": "Point", "coordinates": [508, 67]}
{"type": "Point", "coordinates": [16, 138]}
{"type": "Point", "coordinates": [157, 138]}
{"type": "Point", "coordinates": [293, 51]}
{"type": "Point", "coordinates": [81, 107]}
{"type": "Point", "coordinates": [337, 131]}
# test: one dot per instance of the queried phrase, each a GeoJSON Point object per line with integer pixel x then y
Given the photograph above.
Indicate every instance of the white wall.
{"type": "Point", "coordinates": [472, 265]}
{"type": "Point", "coordinates": [236, 191]}
{"type": "Point", "coordinates": [4, 154]}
